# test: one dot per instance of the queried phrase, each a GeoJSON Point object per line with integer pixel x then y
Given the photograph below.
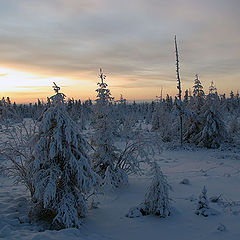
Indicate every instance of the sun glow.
{"type": "Point", "coordinates": [25, 87]}
{"type": "Point", "coordinates": [13, 80]}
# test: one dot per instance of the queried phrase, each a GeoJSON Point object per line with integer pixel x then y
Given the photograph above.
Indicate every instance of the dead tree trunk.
{"type": "Point", "coordinates": [179, 91]}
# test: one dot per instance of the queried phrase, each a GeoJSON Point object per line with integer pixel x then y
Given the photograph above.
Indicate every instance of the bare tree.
{"type": "Point", "coordinates": [179, 92]}
{"type": "Point", "coordinates": [17, 147]}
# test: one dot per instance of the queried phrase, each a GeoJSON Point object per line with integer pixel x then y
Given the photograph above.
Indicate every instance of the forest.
{"type": "Point", "coordinates": [71, 156]}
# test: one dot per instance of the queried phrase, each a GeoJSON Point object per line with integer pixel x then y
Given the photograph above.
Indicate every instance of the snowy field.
{"type": "Point", "coordinates": [218, 170]}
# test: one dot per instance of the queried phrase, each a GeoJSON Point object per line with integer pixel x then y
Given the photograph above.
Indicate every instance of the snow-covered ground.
{"type": "Point", "coordinates": [218, 170]}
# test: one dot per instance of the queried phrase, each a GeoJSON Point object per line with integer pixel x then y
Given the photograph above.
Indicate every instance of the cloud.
{"type": "Point", "coordinates": [129, 39]}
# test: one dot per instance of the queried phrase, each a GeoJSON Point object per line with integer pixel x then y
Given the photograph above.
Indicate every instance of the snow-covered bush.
{"type": "Point", "coordinates": [221, 227]}
{"type": "Point", "coordinates": [162, 122]}
{"type": "Point", "coordinates": [185, 181]}
{"type": "Point", "coordinates": [136, 212]}
{"type": "Point", "coordinates": [114, 178]}
{"type": "Point", "coordinates": [234, 129]}
{"type": "Point", "coordinates": [157, 201]}
{"type": "Point", "coordinates": [61, 169]}
{"type": "Point", "coordinates": [17, 146]}
{"type": "Point", "coordinates": [203, 207]}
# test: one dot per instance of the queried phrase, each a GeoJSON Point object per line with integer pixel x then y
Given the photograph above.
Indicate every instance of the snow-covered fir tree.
{"type": "Point", "coordinates": [186, 98]}
{"type": "Point", "coordinates": [61, 168]}
{"type": "Point", "coordinates": [103, 93]}
{"type": "Point", "coordinates": [120, 110]}
{"type": "Point", "coordinates": [105, 154]}
{"type": "Point", "coordinates": [203, 204]}
{"type": "Point", "coordinates": [156, 122]}
{"type": "Point", "coordinates": [213, 131]}
{"type": "Point", "coordinates": [197, 87]}
{"type": "Point", "coordinates": [212, 88]}
{"type": "Point", "coordinates": [169, 102]}
{"type": "Point", "coordinates": [193, 122]}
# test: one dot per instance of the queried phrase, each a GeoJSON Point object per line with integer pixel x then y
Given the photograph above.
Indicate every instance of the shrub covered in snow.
{"type": "Point", "coordinates": [221, 227]}
{"type": "Point", "coordinates": [185, 181]}
{"type": "Point", "coordinates": [157, 201]}
{"type": "Point", "coordinates": [137, 211]}
{"type": "Point", "coordinates": [162, 121]}
{"type": "Point", "coordinates": [114, 178]}
{"type": "Point", "coordinates": [203, 207]}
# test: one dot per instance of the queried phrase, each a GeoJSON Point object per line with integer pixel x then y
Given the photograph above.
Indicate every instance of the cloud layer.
{"type": "Point", "coordinates": [131, 40]}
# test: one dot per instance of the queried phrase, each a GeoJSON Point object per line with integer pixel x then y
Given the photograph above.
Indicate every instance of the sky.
{"type": "Point", "coordinates": [67, 41]}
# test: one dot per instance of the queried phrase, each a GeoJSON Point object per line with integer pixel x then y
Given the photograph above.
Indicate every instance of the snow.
{"type": "Point", "coordinates": [218, 170]}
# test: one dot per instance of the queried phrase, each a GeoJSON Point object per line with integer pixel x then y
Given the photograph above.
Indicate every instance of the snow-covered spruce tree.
{"type": "Point", "coordinates": [62, 174]}
{"type": "Point", "coordinates": [105, 154]}
{"type": "Point", "coordinates": [186, 98]}
{"type": "Point", "coordinates": [232, 103]}
{"type": "Point", "coordinates": [212, 89]}
{"type": "Point", "coordinates": [157, 201]}
{"type": "Point", "coordinates": [213, 131]}
{"type": "Point", "coordinates": [203, 204]}
{"type": "Point", "coordinates": [156, 117]}
{"type": "Point", "coordinates": [120, 111]}
{"type": "Point", "coordinates": [197, 87]}
{"type": "Point", "coordinates": [103, 93]}
{"type": "Point", "coordinates": [193, 123]}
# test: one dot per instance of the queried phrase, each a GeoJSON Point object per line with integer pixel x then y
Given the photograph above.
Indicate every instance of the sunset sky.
{"type": "Point", "coordinates": [67, 41]}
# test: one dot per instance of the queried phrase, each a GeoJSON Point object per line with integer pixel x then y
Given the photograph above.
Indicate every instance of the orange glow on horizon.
{"type": "Point", "coordinates": [26, 87]}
